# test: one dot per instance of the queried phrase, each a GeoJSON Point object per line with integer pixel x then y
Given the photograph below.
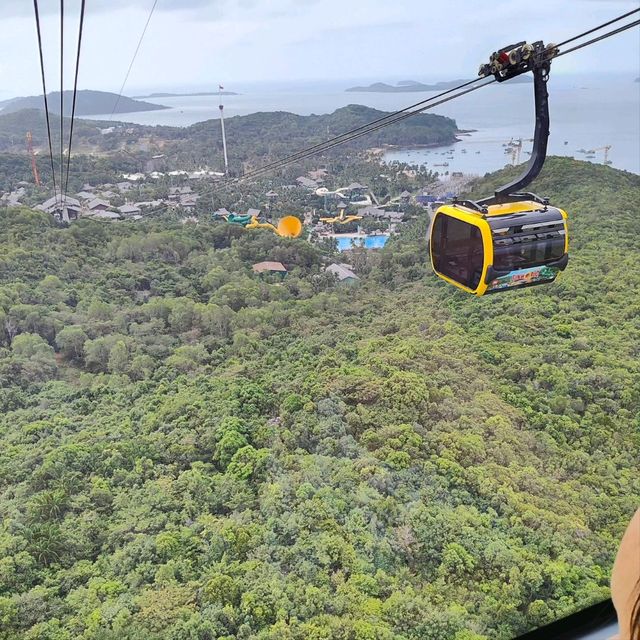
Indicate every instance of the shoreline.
{"type": "Point", "coordinates": [432, 145]}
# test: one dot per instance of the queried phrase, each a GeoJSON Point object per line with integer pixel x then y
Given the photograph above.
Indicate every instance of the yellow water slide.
{"type": "Point", "coordinates": [288, 227]}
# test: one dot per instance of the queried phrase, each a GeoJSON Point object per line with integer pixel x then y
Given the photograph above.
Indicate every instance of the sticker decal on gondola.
{"type": "Point", "coordinates": [521, 277]}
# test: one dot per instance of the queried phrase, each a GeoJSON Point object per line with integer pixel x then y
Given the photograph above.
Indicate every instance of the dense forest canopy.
{"type": "Point", "coordinates": [188, 450]}
{"type": "Point", "coordinates": [252, 136]}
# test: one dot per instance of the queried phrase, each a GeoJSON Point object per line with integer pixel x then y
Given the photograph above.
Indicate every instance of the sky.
{"type": "Point", "coordinates": [197, 44]}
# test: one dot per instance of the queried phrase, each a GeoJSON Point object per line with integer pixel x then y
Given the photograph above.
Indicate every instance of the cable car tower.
{"type": "Point", "coordinates": [224, 137]}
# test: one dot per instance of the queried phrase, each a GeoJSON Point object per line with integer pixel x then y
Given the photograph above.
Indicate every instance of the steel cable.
{"type": "Point", "coordinates": [44, 91]}
{"type": "Point", "coordinates": [75, 93]}
{"type": "Point", "coordinates": [404, 113]}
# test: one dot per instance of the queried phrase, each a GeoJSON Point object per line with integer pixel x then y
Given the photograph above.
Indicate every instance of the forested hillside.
{"type": "Point", "coordinates": [278, 133]}
{"type": "Point", "coordinates": [188, 451]}
{"type": "Point", "coordinates": [256, 134]}
{"type": "Point", "coordinates": [89, 103]}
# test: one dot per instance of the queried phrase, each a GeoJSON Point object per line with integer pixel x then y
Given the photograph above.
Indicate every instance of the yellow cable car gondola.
{"type": "Point", "coordinates": [510, 239]}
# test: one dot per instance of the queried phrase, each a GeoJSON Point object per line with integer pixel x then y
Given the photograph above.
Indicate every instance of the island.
{"type": "Point", "coordinates": [253, 134]}
{"type": "Point", "coordinates": [155, 96]}
{"type": "Point", "coordinates": [88, 103]}
{"type": "Point", "coordinates": [411, 86]}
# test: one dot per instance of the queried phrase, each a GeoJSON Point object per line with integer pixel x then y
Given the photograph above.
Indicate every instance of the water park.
{"type": "Point", "coordinates": [288, 227]}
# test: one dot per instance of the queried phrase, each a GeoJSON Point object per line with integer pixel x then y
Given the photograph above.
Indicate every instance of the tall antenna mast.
{"type": "Point", "coordinates": [224, 137]}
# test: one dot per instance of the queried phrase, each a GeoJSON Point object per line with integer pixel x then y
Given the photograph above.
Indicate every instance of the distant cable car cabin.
{"type": "Point", "coordinates": [510, 239]}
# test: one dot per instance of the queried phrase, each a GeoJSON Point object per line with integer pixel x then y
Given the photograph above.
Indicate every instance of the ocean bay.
{"type": "Point", "coordinates": [586, 112]}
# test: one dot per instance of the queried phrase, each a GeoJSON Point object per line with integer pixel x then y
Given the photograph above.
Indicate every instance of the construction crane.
{"type": "Point", "coordinates": [515, 148]}
{"type": "Point", "coordinates": [34, 166]}
{"type": "Point", "coordinates": [606, 153]}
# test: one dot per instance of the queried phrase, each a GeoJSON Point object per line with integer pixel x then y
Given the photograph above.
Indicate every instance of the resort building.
{"type": "Point", "coordinates": [343, 273]}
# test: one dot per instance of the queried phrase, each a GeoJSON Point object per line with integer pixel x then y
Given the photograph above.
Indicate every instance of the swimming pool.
{"type": "Point", "coordinates": [369, 242]}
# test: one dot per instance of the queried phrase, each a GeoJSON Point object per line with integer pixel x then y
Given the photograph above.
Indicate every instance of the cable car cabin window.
{"type": "Point", "coordinates": [520, 251]}
{"type": "Point", "coordinates": [457, 250]}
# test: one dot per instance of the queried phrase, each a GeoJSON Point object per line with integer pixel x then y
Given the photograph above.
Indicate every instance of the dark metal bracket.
{"type": "Point", "coordinates": [505, 64]}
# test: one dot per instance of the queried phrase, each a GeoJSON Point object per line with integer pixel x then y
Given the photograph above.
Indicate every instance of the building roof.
{"type": "Point", "coordinates": [149, 203]}
{"type": "Point", "coordinates": [179, 190]}
{"type": "Point", "coordinates": [372, 212]}
{"type": "Point", "coordinates": [129, 208]}
{"type": "Point", "coordinates": [271, 194]}
{"type": "Point", "coordinates": [342, 272]}
{"type": "Point", "coordinates": [221, 212]}
{"type": "Point", "coordinates": [85, 195]}
{"type": "Point", "coordinates": [307, 182]}
{"type": "Point", "coordinates": [203, 173]}
{"type": "Point", "coordinates": [253, 212]}
{"type": "Point", "coordinates": [405, 194]}
{"type": "Point", "coordinates": [97, 202]}
{"type": "Point", "coordinates": [356, 185]}
{"type": "Point", "coordinates": [262, 267]}
{"type": "Point", "coordinates": [56, 203]}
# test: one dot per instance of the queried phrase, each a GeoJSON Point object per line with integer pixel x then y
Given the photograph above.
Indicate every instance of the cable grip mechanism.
{"type": "Point", "coordinates": [509, 62]}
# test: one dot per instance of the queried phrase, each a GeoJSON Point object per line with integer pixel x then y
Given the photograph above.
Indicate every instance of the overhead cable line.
{"type": "Point", "coordinates": [75, 93]}
{"type": "Point", "coordinates": [399, 115]}
{"type": "Point", "coordinates": [133, 59]}
{"type": "Point", "coordinates": [61, 99]}
{"type": "Point", "coordinates": [601, 26]}
{"type": "Point", "coordinates": [404, 113]}
{"type": "Point", "coordinates": [374, 122]}
{"type": "Point", "coordinates": [597, 39]}
{"type": "Point", "coordinates": [44, 92]}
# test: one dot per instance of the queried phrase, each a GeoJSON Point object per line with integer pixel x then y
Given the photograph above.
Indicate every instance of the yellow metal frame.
{"type": "Point", "coordinates": [479, 220]}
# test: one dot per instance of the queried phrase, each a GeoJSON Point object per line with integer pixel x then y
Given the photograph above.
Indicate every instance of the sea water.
{"type": "Point", "coordinates": [586, 112]}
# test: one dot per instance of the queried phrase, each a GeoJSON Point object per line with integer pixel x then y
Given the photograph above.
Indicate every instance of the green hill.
{"type": "Point", "coordinates": [190, 451]}
{"type": "Point", "coordinates": [279, 133]}
{"type": "Point", "coordinates": [88, 103]}
{"type": "Point", "coordinates": [252, 137]}
{"type": "Point", "coordinates": [15, 124]}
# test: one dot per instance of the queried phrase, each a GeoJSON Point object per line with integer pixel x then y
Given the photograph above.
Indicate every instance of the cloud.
{"type": "Point", "coordinates": [198, 42]}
